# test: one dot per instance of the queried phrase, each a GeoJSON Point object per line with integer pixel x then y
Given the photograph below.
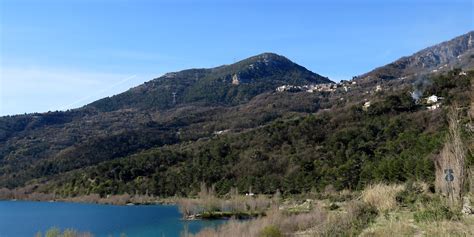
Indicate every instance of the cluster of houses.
{"type": "Point", "coordinates": [432, 102]}
{"type": "Point", "coordinates": [326, 87]}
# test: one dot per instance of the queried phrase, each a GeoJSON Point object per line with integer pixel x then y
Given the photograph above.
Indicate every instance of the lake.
{"type": "Point", "coordinates": [24, 218]}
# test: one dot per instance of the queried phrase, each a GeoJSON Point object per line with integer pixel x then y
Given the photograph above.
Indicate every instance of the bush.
{"type": "Point", "coordinates": [333, 206]}
{"type": "Point", "coordinates": [358, 216]}
{"type": "Point", "coordinates": [436, 211]}
{"type": "Point", "coordinates": [271, 231]}
{"type": "Point", "coordinates": [56, 232]}
{"type": "Point", "coordinates": [382, 196]}
{"type": "Point", "coordinates": [412, 194]}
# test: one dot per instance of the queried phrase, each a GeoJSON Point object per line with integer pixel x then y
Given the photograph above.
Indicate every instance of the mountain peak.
{"type": "Point", "coordinates": [270, 68]}
{"type": "Point", "coordinates": [267, 58]}
{"type": "Point", "coordinates": [271, 56]}
{"type": "Point", "coordinates": [224, 85]}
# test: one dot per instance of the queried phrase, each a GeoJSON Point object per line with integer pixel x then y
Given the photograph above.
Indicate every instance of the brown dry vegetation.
{"type": "Point", "coordinates": [208, 202]}
{"type": "Point", "coordinates": [56, 232]}
{"type": "Point", "coordinates": [121, 199]}
{"type": "Point", "coordinates": [409, 209]}
{"type": "Point", "coordinates": [318, 221]}
{"type": "Point", "coordinates": [381, 196]}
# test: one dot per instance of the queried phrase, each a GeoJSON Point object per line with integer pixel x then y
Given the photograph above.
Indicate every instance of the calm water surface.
{"type": "Point", "coordinates": [22, 218]}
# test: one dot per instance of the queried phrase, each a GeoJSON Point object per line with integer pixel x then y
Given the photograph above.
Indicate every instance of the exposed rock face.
{"type": "Point", "coordinates": [235, 79]}
{"type": "Point", "coordinates": [458, 52]}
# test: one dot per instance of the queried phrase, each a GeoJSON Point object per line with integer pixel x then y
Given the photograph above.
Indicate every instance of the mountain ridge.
{"type": "Point", "coordinates": [226, 85]}
{"type": "Point", "coordinates": [226, 117]}
{"type": "Point", "coordinates": [454, 53]}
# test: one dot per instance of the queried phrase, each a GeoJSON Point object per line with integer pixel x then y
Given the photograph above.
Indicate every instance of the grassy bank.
{"type": "Point", "coordinates": [208, 205]}
{"type": "Point", "coordinates": [410, 209]}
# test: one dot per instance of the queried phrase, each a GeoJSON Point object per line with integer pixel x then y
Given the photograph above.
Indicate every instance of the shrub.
{"type": "Point", "coordinates": [393, 228]}
{"type": "Point", "coordinates": [412, 194]}
{"type": "Point", "coordinates": [382, 196]}
{"type": "Point", "coordinates": [436, 213]}
{"type": "Point", "coordinates": [271, 231]}
{"type": "Point", "coordinates": [56, 232]}
{"type": "Point", "coordinates": [333, 206]}
{"type": "Point", "coordinates": [351, 223]}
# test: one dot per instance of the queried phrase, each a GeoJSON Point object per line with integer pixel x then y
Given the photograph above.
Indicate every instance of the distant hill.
{"type": "Point", "coordinates": [455, 53]}
{"type": "Point", "coordinates": [225, 85]}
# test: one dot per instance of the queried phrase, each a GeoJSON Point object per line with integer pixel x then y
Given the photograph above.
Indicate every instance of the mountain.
{"type": "Point", "coordinates": [228, 126]}
{"type": "Point", "coordinates": [205, 100]}
{"type": "Point", "coordinates": [327, 142]}
{"type": "Point", "coordinates": [455, 53]}
{"type": "Point", "coordinates": [225, 85]}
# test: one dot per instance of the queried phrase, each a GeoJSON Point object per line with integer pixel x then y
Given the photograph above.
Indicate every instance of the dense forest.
{"type": "Point", "coordinates": [230, 127]}
{"type": "Point", "coordinates": [347, 147]}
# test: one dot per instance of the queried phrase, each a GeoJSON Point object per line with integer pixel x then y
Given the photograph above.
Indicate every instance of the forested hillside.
{"type": "Point", "coordinates": [236, 126]}
{"type": "Point", "coordinates": [225, 85]}
{"type": "Point", "coordinates": [394, 140]}
{"type": "Point", "coordinates": [166, 110]}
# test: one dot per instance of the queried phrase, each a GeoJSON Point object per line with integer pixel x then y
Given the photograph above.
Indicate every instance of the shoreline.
{"type": "Point", "coordinates": [116, 200]}
{"type": "Point", "coordinates": [209, 216]}
{"type": "Point", "coordinates": [206, 206]}
{"type": "Point", "coordinates": [164, 203]}
{"type": "Point", "coordinates": [220, 215]}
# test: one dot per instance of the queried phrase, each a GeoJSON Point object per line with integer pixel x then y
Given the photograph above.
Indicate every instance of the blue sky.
{"type": "Point", "coordinates": [57, 55]}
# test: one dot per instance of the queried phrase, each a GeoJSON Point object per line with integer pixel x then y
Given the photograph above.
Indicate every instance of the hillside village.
{"type": "Point", "coordinates": [431, 102]}
{"type": "Point", "coordinates": [324, 87]}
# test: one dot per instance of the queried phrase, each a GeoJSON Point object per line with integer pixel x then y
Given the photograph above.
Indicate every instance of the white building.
{"type": "Point", "coordinates": [433, 107]}
{"type": "Point", "coordinates": [432, 99]}
{"type": "Point", "coordinates": [366, 105]}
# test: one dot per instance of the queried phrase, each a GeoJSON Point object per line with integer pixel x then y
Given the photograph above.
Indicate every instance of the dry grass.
{"type": "Point", "coordinates": [317, 222]}
{"type": "Point", "coordinates": [28, 193]}
{"type": "Point", "coordinates": [402, 223]}
{"type": "Point", "coordinates": [284, 223]}
{"type": "Point", "coordinates": [25, 193]}
{"type": "Point", "coordinates": [392, 224]}
{"type": "Point", "coordinates": [120, 199]}
{"type": "Point", "coordinates": [393, 228]}
{"type": "Point", "coordinates": [406, 227]}
{"type": "Point", "coordinates": [56, 232]}
{"type": "Point", "coordinates": [382, 196]}
{"type": "Point", "coordinates": [208, 201]}
{"type": "Point", "coordinates": [449, 228]}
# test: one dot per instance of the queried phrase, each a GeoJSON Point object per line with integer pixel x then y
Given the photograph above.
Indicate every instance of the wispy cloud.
{"type": "Point", "coordinates": [40, 89]}
{"type": "Point", "coordinates": [98, 93]}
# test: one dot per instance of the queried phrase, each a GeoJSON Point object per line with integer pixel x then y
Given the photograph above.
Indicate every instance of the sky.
{"type": "Point", "coordinates": [58, 55]}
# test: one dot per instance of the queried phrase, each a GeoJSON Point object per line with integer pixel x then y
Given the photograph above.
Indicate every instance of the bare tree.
{"type": "Point", "coordinates": [450, 164]}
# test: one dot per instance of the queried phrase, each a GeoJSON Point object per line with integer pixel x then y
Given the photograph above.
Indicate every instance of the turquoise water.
{"type": "Point", "coordinates": [22, 218]}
